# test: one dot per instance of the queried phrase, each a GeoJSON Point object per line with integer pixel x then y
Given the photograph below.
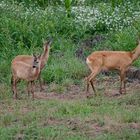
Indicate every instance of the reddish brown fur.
{"type": "Point", "coordinates": [29, 59]}
{"type": "Point", "coordinates": [109, 60]}
{"type": "Point", "coordinates": [24, 71]}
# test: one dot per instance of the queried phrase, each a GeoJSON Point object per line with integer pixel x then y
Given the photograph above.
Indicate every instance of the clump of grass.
{"type": "Point", "coordinates": [65, 67]}
{"type": "Point", "coordinates": [74, 109]}
{"type": "Point", "coordinates": [6, 120]}
{"type": "Point", "coordinates": [57, 88]}
{"type": "Point", "coordinates": [5, 91]}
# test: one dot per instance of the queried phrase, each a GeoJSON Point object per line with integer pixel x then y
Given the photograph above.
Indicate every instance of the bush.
{"type": "Point", "coordinates": [23, 29]}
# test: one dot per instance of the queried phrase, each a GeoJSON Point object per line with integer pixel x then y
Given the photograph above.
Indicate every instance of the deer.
{"type": "Point", "coordinates": [27, 72]}
{"type": "Point", "coordinates": [28, 59]}
{"type": "Point", "coordinates": [110, 60]}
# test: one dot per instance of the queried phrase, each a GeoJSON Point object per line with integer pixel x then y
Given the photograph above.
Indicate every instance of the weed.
{"type": "Point", "coordinates": [103, 25]}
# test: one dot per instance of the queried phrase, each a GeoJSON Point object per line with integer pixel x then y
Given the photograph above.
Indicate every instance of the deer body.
{"type": "Point", "coordinates": [110, 60]}
{"type": "Point", "coordinates": [29, 59]}
{"type": "Point", "coordinates": [24, 71]}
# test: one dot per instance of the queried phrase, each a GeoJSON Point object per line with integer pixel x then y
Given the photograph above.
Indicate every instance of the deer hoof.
{"type": "Point", "coordinates": [122, 91]}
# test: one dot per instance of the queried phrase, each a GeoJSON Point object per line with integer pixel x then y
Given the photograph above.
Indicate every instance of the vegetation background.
{"type": "Point", "coordinates": [77, 27]}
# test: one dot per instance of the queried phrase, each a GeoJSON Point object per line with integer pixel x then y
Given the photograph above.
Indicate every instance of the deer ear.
{"type": "Point", "coordinates": [138, 38]}
{"type": "Point", "coordinates": [39, 56]}
{"type": "Point", "coordinates": [133, 52]}
{"type": "Point", "coordinates": [45, 44]}
{"type": "Point", "coordinates": [50, 41]}
{"type": "Point", "coordinates": [34, 55]}
{"type": "Point", "coordinates": [138, 42]}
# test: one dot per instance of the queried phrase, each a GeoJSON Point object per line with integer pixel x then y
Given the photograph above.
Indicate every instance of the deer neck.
{"type": "Point", "coordinates": [35, 71]}
{"type": "Point", "coordinates": [135, 54]}
{"type": "Point", "coordinates": [44, 57]}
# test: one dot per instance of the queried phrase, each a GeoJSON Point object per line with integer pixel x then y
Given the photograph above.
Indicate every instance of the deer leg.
{"type": "Point", "coordinates": [40, 83]}
{"type": "Point", "coordinates": [28, 88]}
{"type": "Point", "coordinates": [87, 89]}
{"type": "Point", "coordinates": [88, 83]}
{"type": "Point", "coordinates": [32, 89]}
{"type": "Point", "coordinates": [89, 80]}
{"type": "Point", "coordinates": [14, 87]}
{"type": "Point", "coordinates": [123, 82]}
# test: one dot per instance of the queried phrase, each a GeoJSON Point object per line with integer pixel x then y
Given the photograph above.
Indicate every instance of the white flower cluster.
{"type": "Point", "coordinates": [104, 16]}
{"type": "Point", "coordinates": [101, 17]}
{"type": "Point", "coordinates": [19, 10]}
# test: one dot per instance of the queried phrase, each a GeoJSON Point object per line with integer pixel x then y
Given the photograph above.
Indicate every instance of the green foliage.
{"type": "Point", "coordinates": [23, 27]}
{"type": "Point", "coordinates": [123, 40]}
{"type": "Point", "coordinates": [23, 30]}
{"type": "Point", "coordinates": [68, 7]}
{"type": "Point", "coordinates": [63, 68]}
{"type": "Point", "coordinates": [40, 3]}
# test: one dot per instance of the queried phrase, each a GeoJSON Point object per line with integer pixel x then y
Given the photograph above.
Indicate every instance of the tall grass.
{"type": "Point", "coordinates": [24, 24]}
{"type": "Point", "coordinates": [23, 29]}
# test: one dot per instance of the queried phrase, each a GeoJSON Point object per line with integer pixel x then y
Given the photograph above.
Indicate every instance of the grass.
{"type": "Point", "coordinates": [66, 113]}
{"type": "Point", "coordinates": [101, 117]}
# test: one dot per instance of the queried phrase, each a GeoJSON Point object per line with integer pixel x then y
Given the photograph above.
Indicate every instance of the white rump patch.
{"type": "Point", "coordinates": [88, 61]}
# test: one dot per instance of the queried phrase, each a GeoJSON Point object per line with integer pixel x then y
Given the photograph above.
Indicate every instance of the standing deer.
{"type": "Point", "coordinates": [28, 59]}
{"type": "Point", "coordinates": [27, 72]}
{"type": "Point", "coordinates": [109, 60]}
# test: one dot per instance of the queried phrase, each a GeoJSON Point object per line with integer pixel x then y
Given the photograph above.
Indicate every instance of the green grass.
{"type": "Point", "coordinates": [23, 27]}
{"type": "Point", "coordinates": [71, 119]}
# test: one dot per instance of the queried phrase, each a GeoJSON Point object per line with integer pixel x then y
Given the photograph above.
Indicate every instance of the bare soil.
{"type": "Point", "coordinates": [109, 86]}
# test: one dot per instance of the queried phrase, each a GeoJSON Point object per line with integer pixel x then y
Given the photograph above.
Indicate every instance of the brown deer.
{"type": "Point", "coordinates": [28, 59]}
{"type": "Point", "coordinates": [109, 60]}
{"type": "Point", "coordinates": [27, 72]}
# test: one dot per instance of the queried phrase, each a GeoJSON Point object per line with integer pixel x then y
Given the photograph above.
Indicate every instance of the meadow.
{"type": "Point", "coordinates": [77, 29]}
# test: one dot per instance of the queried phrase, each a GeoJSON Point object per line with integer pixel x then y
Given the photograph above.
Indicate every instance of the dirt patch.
{"type": "Point", "coordinates": [109, 125]}
{"type": "Point", "coordinates": [25, 110]}
{"type": "Point", "coordinates": [4, 108]}
{"type": "Point", "coordinates": [133, 73]}
{"type": "Point", "coordinates": [89, 128]}
{"type": "Point", "coordinates": [94, 129]}
{"type": "Point", "coordinates": [135, 126]}
{"type": "Point", "coordinates": [73, 92]}
{"type": "Point", "coordinates": [52, 121]}
{"type": "Point", "coordinates": [108, 86]}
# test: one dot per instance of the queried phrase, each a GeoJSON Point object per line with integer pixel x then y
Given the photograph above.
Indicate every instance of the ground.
{"type": "Point", "coordinates": [70, 115]}
{"type": "Point", "coordinates": [106, 85]}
